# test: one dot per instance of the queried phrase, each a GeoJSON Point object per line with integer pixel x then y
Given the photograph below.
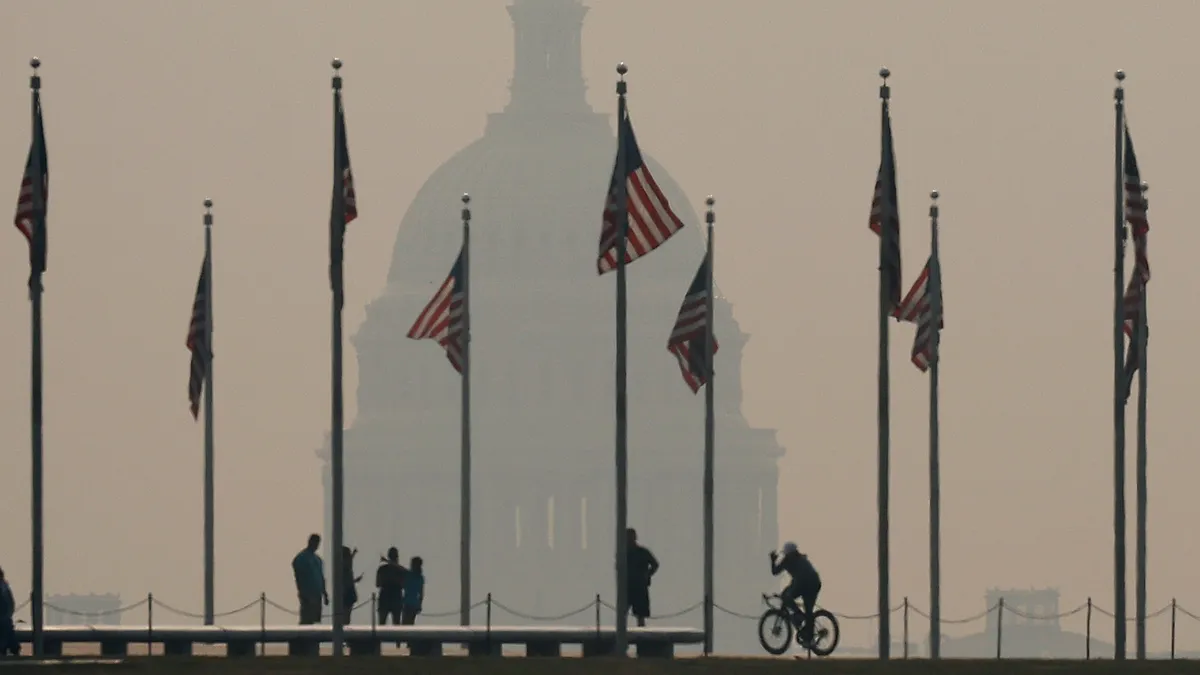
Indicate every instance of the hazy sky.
{"type": "Point", "coordinates": [771, 105]}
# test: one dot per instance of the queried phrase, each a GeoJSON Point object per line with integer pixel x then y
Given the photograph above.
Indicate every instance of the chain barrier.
{"type": "Point", "coordinates": [1186, 613]}
{"type": "Point", "coordinates": [970, 619]}
{"type": "Point", "coordinates": [107, 612]}
{"type": "Point", "coordinates": [262, 603]}
{"type": "Point", "coordinates": [676, 615]}
{"type": "Point", "coordinates": [443, 615]}
{"type": "Point", "coordinates": [1173, 609]}
{"type": "Point", "coordinates": [737, 615]}
{"type": "Point", "coordinates": [1044, 617]}
{"type": "Point", "coordinates": [531, 617]}
{"type": "Point", "coordinates": [1165, 608]}
{"type": "Point", "coordinates": [275, 605]}
{"type": "Point", "coordinates": [220, 615]}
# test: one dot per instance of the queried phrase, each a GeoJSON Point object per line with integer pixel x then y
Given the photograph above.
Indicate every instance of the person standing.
{"type": "Point", "coordinates": [641, 566]}
{"type": "Point", "coordinates": [349, 584]}
{"type": "Point", "coordinates": [414, 591]}
{"type": "Point", "coordinates": [8, 607]}
{"type": "Point", "coordinates": [309, 571]}
{"type": "Point", "coordinates": [389, 579]}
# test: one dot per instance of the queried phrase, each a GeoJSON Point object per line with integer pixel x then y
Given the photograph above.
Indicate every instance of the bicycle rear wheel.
{"type": "Point", "coordinates": [826, 633]}
{"type": "Point", "coordinates": [775, 631]}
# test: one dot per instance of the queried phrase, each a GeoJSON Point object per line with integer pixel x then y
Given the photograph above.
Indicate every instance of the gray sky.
{"type": "Point", "coordinates": [771, 105]}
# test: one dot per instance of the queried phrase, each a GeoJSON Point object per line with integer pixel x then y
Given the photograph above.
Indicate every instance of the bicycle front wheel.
{"type": "Point", "coordinates": [775, 631]}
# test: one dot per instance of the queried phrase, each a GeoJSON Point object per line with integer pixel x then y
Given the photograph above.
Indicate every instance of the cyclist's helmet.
{"type": "Point", "coordinates": [789, 548]}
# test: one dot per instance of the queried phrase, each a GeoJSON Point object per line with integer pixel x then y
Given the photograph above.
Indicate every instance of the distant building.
{"type": "Point", "coordinates": [1028, 629]}
{"type": "Point", "coordinates": [83, 610]}
{"type": "Point", "coordinates": [542, 375]}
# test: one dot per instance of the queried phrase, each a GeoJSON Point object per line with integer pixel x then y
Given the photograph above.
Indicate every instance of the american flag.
{"type": "Point", "coordinates": [443, 319]}
{"type": "Point", "coordinates": [1132, 303]}
{"type": "Point", "coordinates": [30, 218]}
{"type": "Point", "coordinates": [345, 203]}
{"type": "Point", "coordinates": [923, 306]}
{"type": "Point", "coordinates": [1132, 362]}
{"type": "Point", "coordinates": [197, 341]}
{"type": "Point", "coordinates": [1135, 215]}
{"type": "Point", "coordinates": [885, 215]}
{"type": "Point", "coordinates": [651, 220]}
{"type": "Point", "coordinates": [687, 341]}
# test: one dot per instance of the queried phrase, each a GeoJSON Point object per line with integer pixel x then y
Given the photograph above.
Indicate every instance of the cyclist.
{"type": "Point", "coordinates": [805, 584]}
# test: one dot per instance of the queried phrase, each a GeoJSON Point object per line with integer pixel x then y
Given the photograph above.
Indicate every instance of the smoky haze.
{"type": "Point", "coordinates": [770, 105]}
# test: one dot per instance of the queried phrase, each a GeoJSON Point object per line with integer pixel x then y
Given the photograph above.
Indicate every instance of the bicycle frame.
{"type": "Point", "coordinates": [775, 601]}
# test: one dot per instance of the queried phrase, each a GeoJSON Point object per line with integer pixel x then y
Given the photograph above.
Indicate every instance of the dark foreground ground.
{"type": "Point", "coordinates": [521, 666]}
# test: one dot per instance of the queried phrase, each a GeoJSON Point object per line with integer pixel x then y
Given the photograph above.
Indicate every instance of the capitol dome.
{"type": "Point", "coordinates": [542, 364]}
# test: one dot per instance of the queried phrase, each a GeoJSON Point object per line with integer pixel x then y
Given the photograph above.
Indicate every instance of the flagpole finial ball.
{"type": "Point", "coordinates": [933, 194]}
{"type": "Point", "coordinates": [35, 62]}
{"type": "Point", "coordinates": [337, 64]}
{"type": "Point", "coordinates": [208, 203]}
{"type": "Point", "coordinates": [1120, 75]}
{"type": "Point", "coordinates": [466, 198]}
{"type": "Point", "coordinates": [885, 73]}
{"type": "Point", "coordinates": [622, 68]}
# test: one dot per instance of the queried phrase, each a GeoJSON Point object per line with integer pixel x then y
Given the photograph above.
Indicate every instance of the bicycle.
{"type": "Point", "coordinates": [785, 621]}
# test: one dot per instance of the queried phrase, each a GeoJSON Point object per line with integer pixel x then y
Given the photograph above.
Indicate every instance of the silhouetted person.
{"type": "Point", "coordinates": [641, 566]}
{"type": "Point", "coordinates": [389, 579]}
{"type": "Point", "coordinates": [349, 583]}
{"type": "Point", "coordinates": [8, 606]}
{"type": "Point", "coordinates": [414, 591]}
{"type": "Point", "coordinates": [309, 571]}
{"type": "Point", "coordinates": [805, 584]}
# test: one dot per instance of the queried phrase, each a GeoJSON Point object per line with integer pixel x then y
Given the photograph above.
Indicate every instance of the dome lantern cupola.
{"type": "Point", "coordinates": [548, 56]}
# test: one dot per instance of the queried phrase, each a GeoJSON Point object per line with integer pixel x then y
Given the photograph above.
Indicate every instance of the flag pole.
{"type": "Point", "coordinates": [1119, 367]}
{"type": "Point", "coordinates": [1143, 338]}
{"type": "Point", "coordinates": [336, 227]}
{"type": "Point", "coordinates": [38, 204]}
{"type": "Point", "coordinates": [709, 433]}
{"type": "Point", "coordinates": [464, 602]}
{"type": "Point", "coordinates": [622, 515]}
{"type": "Point", "coordinates": [935, 478]}
{"type": "Point", "coordinates": [885, 638]}
{"type": "Point", "coordinates": [209, 557]}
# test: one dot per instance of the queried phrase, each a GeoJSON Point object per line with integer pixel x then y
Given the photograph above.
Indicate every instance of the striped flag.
{"type": "Point", "coordinates": [923, 306]}
{"type": "Point", "coordinates": [1132, 359]}
{"type": "Point", "coordinates": [687, 341]}
{"type": "Point", "coordinates": [651, 220]}
{"type": "Point", "coordinates": [30, 217]}
{"type": "Point", "coordinates": [442, 320]}
{"type": "Point", "coordinates": [197, 341]}
{"type": "Point", "coordinates": [1135, 215]}
{"type": "Point", "coordinates": [1135, 208]}
{"type": "Point", "coordinates": [885, 215]}
{"type": "Point", "coordinates": [345, 202]}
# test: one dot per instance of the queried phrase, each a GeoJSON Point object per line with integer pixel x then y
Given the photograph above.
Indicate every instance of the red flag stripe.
{"type": "Point", "coordinates": [442, 320]}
